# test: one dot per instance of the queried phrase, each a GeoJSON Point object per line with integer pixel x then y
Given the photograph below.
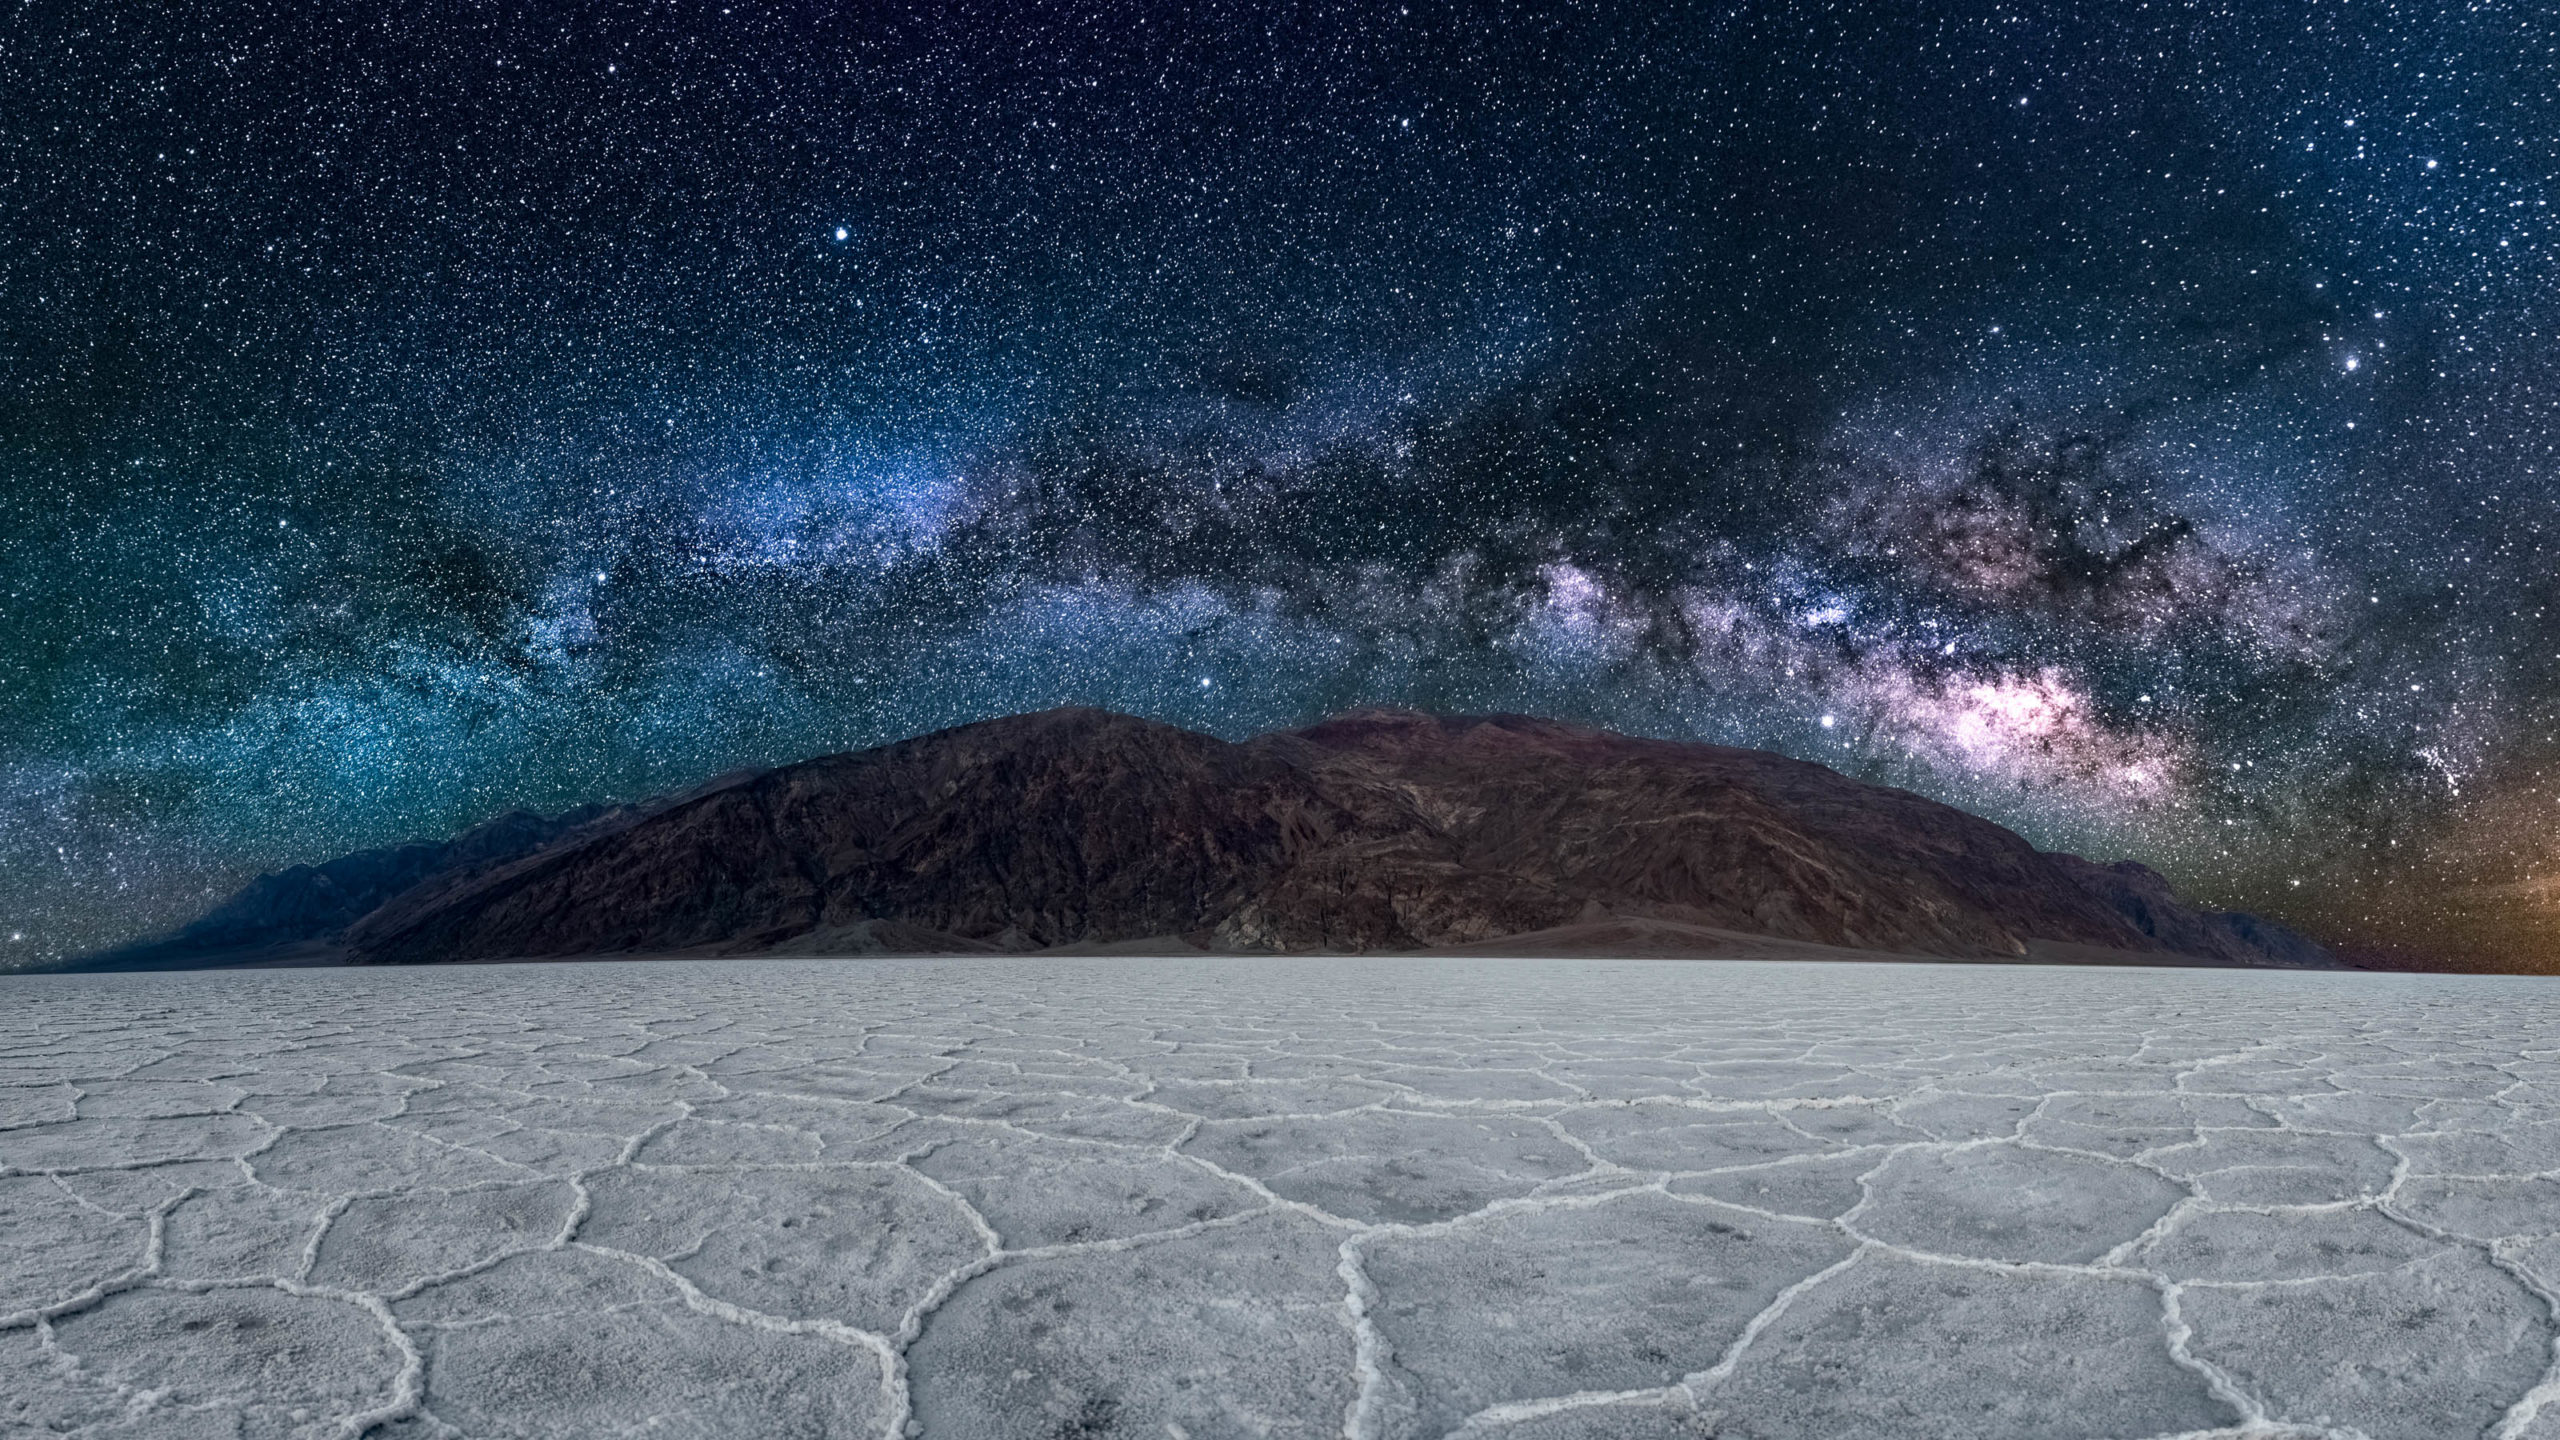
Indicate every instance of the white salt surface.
{"type": "Point", "coordinates": [1178, 1199]}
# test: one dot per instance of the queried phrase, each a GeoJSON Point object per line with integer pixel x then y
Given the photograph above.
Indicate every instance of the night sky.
{"type": "Point", "coordinates": [2135, 422]}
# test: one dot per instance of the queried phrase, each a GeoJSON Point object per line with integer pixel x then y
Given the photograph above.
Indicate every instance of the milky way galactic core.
{"type": "Point", "coordinates": [2135, 423]}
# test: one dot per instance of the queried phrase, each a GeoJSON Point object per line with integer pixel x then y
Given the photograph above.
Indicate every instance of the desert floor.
{"type": "Point", "coordinates": [1205, 1197]}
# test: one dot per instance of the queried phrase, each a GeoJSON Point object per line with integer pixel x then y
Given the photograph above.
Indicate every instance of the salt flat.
{"type": "Point", "coordinates": [1279, 1197]}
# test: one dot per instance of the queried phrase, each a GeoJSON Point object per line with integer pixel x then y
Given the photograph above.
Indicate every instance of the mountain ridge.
{"type": "Point", "coordinates": [1376, 830]}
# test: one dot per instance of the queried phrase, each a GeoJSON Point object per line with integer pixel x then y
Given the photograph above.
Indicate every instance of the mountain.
{"type": "Point", "coordinates": [1377, 830]}
{"type": "Point", "coordinates": [294, 910]}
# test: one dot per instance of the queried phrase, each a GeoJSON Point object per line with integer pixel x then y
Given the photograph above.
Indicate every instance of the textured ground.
{"type": "Point", "coordinates": [1194, 1198]}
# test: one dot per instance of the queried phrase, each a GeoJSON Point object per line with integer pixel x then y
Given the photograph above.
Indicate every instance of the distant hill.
{"type": "Point", "coordinates": [1377, 830]}
{"type": "Point", "coordinates": [296, 912]}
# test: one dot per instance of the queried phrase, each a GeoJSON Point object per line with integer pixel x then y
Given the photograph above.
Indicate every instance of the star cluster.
{"type": "Point", "coordinates": [2137, 423]}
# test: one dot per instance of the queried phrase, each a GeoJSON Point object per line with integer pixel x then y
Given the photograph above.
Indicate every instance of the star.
{"type": "Point", "coordinates": [346, 500]}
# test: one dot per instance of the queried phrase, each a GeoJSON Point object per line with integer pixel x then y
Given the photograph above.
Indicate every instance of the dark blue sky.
{"type": "Point", "coordinates": [2135, 422]}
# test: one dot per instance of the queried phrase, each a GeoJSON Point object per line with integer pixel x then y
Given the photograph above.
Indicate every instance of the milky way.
{"type": "Point", "coordinates": [2138, 426]}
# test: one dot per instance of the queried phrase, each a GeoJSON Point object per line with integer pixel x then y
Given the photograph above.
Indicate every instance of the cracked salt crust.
{"type": "Point", "coordinates": [1379, 1198]}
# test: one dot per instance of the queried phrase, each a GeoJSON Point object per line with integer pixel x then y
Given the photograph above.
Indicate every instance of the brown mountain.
{"type": "Point", "coordinates": [1378, 830]}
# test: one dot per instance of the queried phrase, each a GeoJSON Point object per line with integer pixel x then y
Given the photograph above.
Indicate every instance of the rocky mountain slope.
{"type": "Point", "coordinates": [1378, 830]}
